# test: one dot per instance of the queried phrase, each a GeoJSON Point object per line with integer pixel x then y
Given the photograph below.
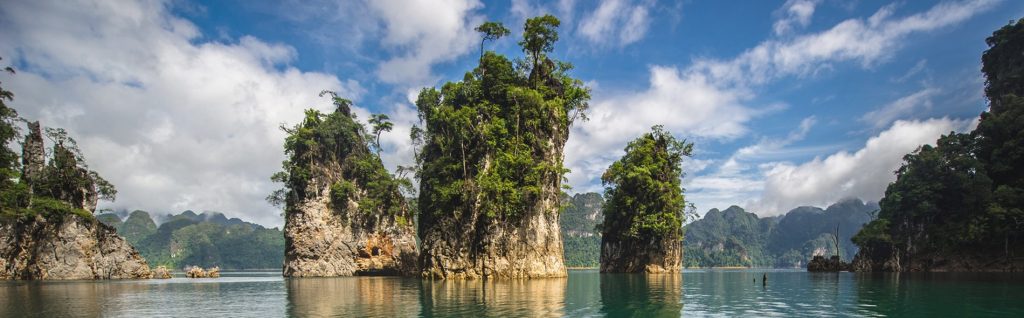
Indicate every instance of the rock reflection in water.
{"type": "Point", "coordinates": [634, 295]}
{"type": "Point", "coordinates": [409, 297]}
{"type": "Point", "coordinates": [353, 297]}
{"type": "Point", "coordinates": [543, 297]}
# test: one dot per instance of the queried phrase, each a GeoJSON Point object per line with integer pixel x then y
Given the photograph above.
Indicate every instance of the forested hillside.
{"type": "Point", "coordinates": [207, 239]}
{"type": "Point", "coordinates": [735, 237]}
{"type": "Point", "coordinates": [581, 213]}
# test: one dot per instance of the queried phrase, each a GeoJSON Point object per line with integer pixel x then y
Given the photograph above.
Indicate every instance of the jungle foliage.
{"type": "Point", "coordinates": [643, 190]}
{"type": "Point", "coordinates": [53, 183]}
{"type": "Point", "coordinates": [967, 191]}
{"type": "Point", "coordinates": [336, 146]}
{"type": "Point", "coordinates": [491, 143]}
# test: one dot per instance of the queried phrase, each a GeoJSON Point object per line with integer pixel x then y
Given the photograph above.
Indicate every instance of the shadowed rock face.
{"type": "Point", "coordinates": [636, 256]}
{"type": "Point", "coordinates": [71, 248]}
{"type": "Point", "coordinates": [321, 242]}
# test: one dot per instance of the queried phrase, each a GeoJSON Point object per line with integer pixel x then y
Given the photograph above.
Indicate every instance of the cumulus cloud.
{"type": "Point", "coordinates": [904, 106]}
{"type": "Point", "coordinates": [616, 22]}
{"type": "Point", "coordinates": [424, 33]}
{"type": "Point", "coordinates": [863, 174]}
{"type": "Point", "coordinates": [794, 13]}
{"type": "Point", "coordinates": [173, 121]}
{"type": "Point", "coordinates": [680, 102]}
{"type": "Point", "coordinates": [711, 98]}
{"type": "Point", "coordinates": [861, 40]}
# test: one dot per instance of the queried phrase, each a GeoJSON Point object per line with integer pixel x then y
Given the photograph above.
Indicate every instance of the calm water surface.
{"type": "Point", "coordinates": [585, 293]}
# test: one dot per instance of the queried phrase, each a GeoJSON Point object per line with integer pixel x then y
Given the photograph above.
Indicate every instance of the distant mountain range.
{"type": "Point", "coordinates": [207, 239]}
{"type": "Point", "coordinates": [581, 243]}
{"type": "Point", "coordinates": [732, 237]}
{"type": "Point", "coordinates": [735, 237]}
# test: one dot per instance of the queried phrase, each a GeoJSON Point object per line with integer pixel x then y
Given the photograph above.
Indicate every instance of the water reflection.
{"type": "Point", "coordinates": [632, 295]}
{"type": "Point", "coordinates": [352, 296]}
{"type": "Point", "coordinates": [494, 298]}
{"type": "Point", "coordinates": [408, 297]}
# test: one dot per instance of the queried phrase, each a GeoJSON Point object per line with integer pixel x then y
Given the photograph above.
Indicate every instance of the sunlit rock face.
{"type": "Point", "coordinates": [72, 247]}
{"type": "Point", "coordinates": [320, 242]}
{"type": "Point", "coordinates": [468, 244]}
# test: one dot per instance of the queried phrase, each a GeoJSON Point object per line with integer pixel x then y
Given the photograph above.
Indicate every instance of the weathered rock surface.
{"type": "Point", "coordinates": [467, 244]}
{"type": "Point", "coordinates": [321, 241]}
{"type": "Point", "coordinates": [632, 256]}
{"type": "Point", "coordinates": [468, 248]}
{"type": "Point", "coordinates": [70, 248]}
{"type": "Point", "coordinates": [884, 258]}
{"type": "Point", "coordinates": [832, 264]}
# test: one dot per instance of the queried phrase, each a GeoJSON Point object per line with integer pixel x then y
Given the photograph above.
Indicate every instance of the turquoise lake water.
{"type": "Point", "coordinates": [585, 293]}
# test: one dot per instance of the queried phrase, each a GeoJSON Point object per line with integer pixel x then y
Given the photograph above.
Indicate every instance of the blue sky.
{"type": "Point", "coordinates": [789, 103]}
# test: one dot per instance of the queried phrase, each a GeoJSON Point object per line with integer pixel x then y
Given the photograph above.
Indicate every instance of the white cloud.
{"type": "Point", "coordinates": [616, 22]}
{"type": "Point", "coordinates": [794, 12]}
{"type": "Point", "coordinates": [710, 98]}
{"type": "Point", "coordinates": [904, 106]}
{"type": "Point", "coordinates": [174, 122]}
{"type": "Point", "coordinates": [681, 102]}
{"type": "Point", "coordinates": [863, 40]}
{"type": "Point", "coordinates": [424, 33]}
{"type": "Point", "coordinates": [863, 174]}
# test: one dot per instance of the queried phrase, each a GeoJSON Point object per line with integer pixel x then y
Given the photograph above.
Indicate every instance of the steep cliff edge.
{"type": "Point", "coordinates": [645, 209]}
{"type": "Point", "coordinates": [47, 231]}
{"type": "Point", "coordinates": [344, 213]}
{"type": "Point", "coordinates": [74, 247]}
{"type": "Point", "coordinates": [491, 162]}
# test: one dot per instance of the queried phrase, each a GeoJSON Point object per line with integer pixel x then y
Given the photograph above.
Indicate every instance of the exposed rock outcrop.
{"type": "Point", "coordinates": [344, 212]}
{"type": "Point", "coordinates": [320, 242]}
{"type": "Point", "coordinates": [884, 258]}
{"type": "Point", "coordinates": [470, 247]}
{"type": "Point", "coordinates": [832, 264]}
{"type": "Point", "coordinates": [633, 256]}
{"type": "Point", "coordinates": [72, 247]}
{"type": "Point", "coordinates": [161, 272]}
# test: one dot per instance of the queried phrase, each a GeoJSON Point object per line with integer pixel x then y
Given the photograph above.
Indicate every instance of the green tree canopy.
{"type": "Point", "coordinates": [488, 140]}
{"type": "Point", "coordinates": [643, 190]}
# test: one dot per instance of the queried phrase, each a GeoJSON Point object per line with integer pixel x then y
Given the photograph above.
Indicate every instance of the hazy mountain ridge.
{"type": "Point", "coordinates": [735, 237]}
{"type": "Point", "coordinates": [206, 239]}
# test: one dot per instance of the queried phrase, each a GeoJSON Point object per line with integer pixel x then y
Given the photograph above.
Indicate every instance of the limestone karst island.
{"type": "Point", "coordinates": [513, 158]}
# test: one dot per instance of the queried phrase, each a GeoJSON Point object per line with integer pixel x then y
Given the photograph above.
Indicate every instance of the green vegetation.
{"type": "Point", "coordinates": [492, 142]}
{"type": "Point", "coordinates": [967, 192]}
{"type": "Point", "coordinates": [579, 218]}
{"type": "Point", "coordinates": [643, 191]}
{"type": "Point", "coordinates": [337, 147]}
{"type": "Point", "coordinates": [735, 237]}
{"type": "Point", "coordinates": [205, 240]}
{"type": "Point", "coordinates": [732, 237]}
{"type": "Point", "coordinates": [52, 185]}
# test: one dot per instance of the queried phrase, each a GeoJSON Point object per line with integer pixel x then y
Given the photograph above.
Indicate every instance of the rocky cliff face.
{"type": "Point", "coordinates": [345, 214]}
{"type": "Point", "coordinates": [469, 244]}
{"type": "Point", "coordinates": [320, 242]}
{"type": "Point", "coordinates": [70, 248]}
{"type": "Point", "coordinates": [633, 256]}
{"type": "Point", "coordinates": [471, 247]}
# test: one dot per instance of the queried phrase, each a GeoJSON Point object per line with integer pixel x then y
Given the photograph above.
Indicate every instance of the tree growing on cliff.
{"type": "Point", "coordinates": [379, 123]}
{"type": "Point", "coordinates": [337, 138]}
{"type": "Point", "coordinates": [54, 184]}
{"type": "Point", "coordinates": [644, 203]}
{"type": "Point", "coordinates": [491, 151]}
